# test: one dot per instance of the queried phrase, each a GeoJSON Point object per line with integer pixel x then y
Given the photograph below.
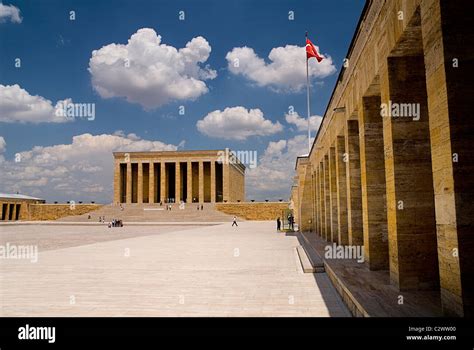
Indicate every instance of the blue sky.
{"type": "Point", "coordinates": [55, 55]}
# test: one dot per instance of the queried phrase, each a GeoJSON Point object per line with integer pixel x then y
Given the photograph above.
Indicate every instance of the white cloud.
{"type": "Point", "coordinates": [9, 13]}
{"type": "Point", "coordinates": [277, 164]}
{"type": "Point", "coordinates": [3, 148]}
{"type": "Point", "coordinates": [80, 171]}
{"type": "Point", "coordinates": [150, 73]}
{"type": "Point", "coordinates": [237, 123]}
{"type": "Point", "coordinates": [285, 73]}
{"type": "Point", "coordinates": [302, 123]}
{"type": "Point", "coordinates": [273, 176]}
{"type": "Point", "coordinates": [17, 105]}
{"type": "Point", "coordinates": [3, 144]}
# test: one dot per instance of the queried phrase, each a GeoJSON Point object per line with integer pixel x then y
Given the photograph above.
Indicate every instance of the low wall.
{"type": "Point", "coordinates": [56, 211]}
{"type": "Point", "coordinates": [253, 210]}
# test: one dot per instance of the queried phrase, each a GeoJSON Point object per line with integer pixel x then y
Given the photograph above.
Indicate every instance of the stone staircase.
{"type": "Point", "coordinates": [153, 213]}
{"type": "Point", "coordinates": [311, 261]}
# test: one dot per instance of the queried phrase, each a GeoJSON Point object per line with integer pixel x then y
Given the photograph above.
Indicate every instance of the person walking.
{"type": "Point", "coordinates": [278, 224]}
{"type": "Point", "coordinates": [234, 221]}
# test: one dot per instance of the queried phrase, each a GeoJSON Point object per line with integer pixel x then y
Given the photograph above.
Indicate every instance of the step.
{"type": "Point", "coordinates": [306, 264]}
{"type": "Point", "coordinates": [313, 256]}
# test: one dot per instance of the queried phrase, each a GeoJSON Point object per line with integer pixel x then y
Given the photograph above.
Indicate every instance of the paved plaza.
{"type": "Point", "coordinates": [161, 270]}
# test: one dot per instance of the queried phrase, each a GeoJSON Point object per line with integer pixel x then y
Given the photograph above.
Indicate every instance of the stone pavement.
{"type": "Point", "coordinates": [217, 270]}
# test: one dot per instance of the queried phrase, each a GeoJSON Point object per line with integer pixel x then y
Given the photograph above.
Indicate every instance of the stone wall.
{"type": "Point", "coordinates": [406, 192]}
{"type": "Point", "coordinates": [56, 211]}
{"type": "Point", "coordinates": [12, 209]}
{"type": "Point", "coordinates": [237, 187]}
{"type": "Point", "coordinates": [254, 210]}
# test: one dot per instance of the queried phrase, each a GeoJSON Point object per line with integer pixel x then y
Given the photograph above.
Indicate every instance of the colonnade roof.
{"type": "Point", "coordinates": [17, 196]}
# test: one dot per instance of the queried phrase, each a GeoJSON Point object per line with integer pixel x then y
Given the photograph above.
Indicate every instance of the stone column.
{"type": "Point", "coordinates": [140, 183]}
{"type": "Point", "coordinates": [409, 180]}
{"type": "Point", "coordinates": [7, 212]}
{"type": "Point", "coordinates": [372, 167]}
{"type": "Point", "coordinates": [327, 200]}
{"type": "Point", "coordinates": [333, 194]}
{"type": "Point", "coordinates": [311, 197]}
{"type": "Point", "coordinates": [213, 181]}
{"type": "Point", "coordinates": [447, 37]}
{"type": "Point", "coordinates": [117, 181]}
{"type": "Point", "coordinates": [305, 196]}
{"type": "Point", "coordinates": [13, 211]}
{"type": "Point", "coordinates": [225, 181]}
{"type": "Point", "coordinates": [313, 189]}
{"type": "Point", "coordinates": [201, 182]}
{"type": "Point", "coordinates": [163, 194]}
{"type": "Point", "coordinates": [341, 185]}
{"type": "Point", "coordinates": [322, 200]}
{"type": "Point", "coordinates": [189, 179]}
{"type": "Point", "coordinates": [177, 185]}
{"type": "Point", "coordinates": [129, 183]}
{"type": "Point", "coordinates": [316, 200]}
{"type": "Point", "coordinates": [354, 190]}
{"type": "Point", "coordinates": [151, 183]}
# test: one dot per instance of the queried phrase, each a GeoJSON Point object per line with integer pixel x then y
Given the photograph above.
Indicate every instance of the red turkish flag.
{"type": "Point", "coordinates": [311, 51]}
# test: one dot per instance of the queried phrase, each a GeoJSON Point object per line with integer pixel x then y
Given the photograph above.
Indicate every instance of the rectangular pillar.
{"type": "Point", "coordinates": [201, 182]}
{"type": "Point", "coordinates": [163, 192]}
{"type": "Point", "coordinates": [117, 182]}
{"type": "Point", "coordinates": [177, 185]}
{"type": "Point", "coordinates": [447, 37]}
{"type": "Point", "coordinates": [409, 180]}
{"type": "Point", "coordinates": [341, 185]}
{"type": "Point", "coordinates": [151, 183]}
{"type": "Point", "coordinates": [327, 200]}
{"type": "Point", "coordinates": [333, 194]}
{"type": "Point", "coordinates": [189, 187]}
{"type": "Point", "coordinates": [316, 199]}
{"type": "Point", "coordinates": [311, 197]}
{"type": "Point", "coordinates": [372, 167]}
{"type": "Point", "coordinates": [225, 181]}
{"type": "Point", "coordinates": [213, 181]}
{"type": "Point", "coordinates": [129, 183]}
{"type": "Point", "coordinates": [322, 214]}
{"type": "Point", "coordinates": [13, 211]}
{"type": "Point", "coordinates": [354, 190]}
{"type": "Point", "coordinates": [146, 182]}
{"type": "Point", "coordinates": [140, 183]}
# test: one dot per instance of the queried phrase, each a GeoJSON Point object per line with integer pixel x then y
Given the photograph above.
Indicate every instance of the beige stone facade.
{"type": "Point", "coordinates": [255, 210]}
{"type": "Point", "coordinates": [15, 207]}
{"type": "Point", "coordinates": [401, 185]}
{"type": "Point", "coordinates": [44, 212]}
{"type": "Point", "coordinates": [174, 176]}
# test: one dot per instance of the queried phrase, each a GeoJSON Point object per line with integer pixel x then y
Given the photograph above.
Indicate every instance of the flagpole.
{"type": "Point", "coordinates": [307, 99]}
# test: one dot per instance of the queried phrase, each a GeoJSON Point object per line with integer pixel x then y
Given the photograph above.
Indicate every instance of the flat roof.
{"type": "Point", "coordinates": [170, 153]}
{"type": "Point", "coordinates": [305, 156]}
{"type": "Point", "coordinates": [184, 153]}
{"type": "Point", "coordinates": [18, 196]}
